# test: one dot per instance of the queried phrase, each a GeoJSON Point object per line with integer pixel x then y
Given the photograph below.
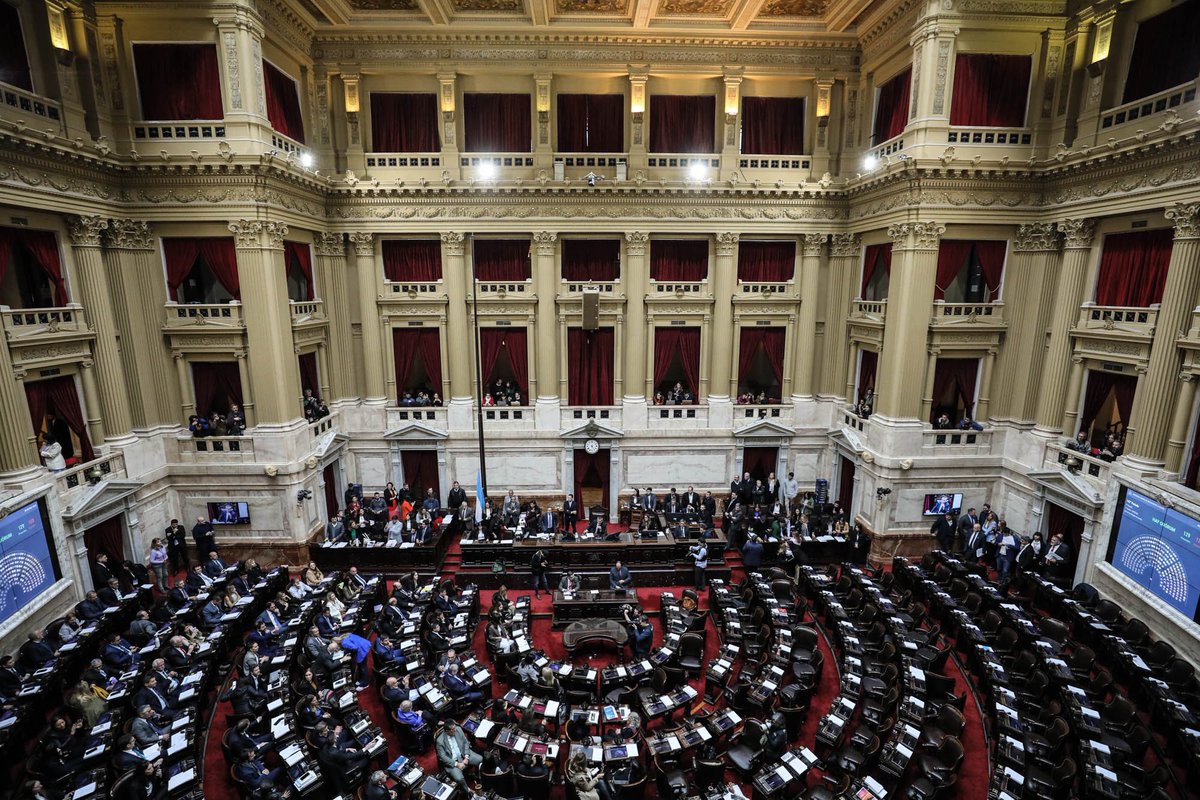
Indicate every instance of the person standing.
{"type": "Point", "coordinates": [1007, 548]}
{"type": "Point", "coordinates": [699, 556]}
{"type": "Point", "coordinates": [157, 559]}
{"type": "Point", "coordinates": [202, 535]}
{"type": "Point", "coordinates": [176, 536]}
{"type": "Point", "coordinates": [788, 489]}
{"type": "Point", "coordinates": [539, 566]}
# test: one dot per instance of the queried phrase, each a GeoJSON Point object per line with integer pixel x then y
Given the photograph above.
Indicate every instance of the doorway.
{"type": "Point", "coordinates": [420, 468]}
{"type": "Point", "coordinates": [329, 478]}
{"type": "Point", "coordinates": [760, 461]}
{"type": "Point", "coordinates": [1070, 525]}
{"type": "Point", "coordinates": [592, 480]}
{"type": "Point", "coordinates": [107, 538]}
{"type": "Point", "coordinates": [846, 485]}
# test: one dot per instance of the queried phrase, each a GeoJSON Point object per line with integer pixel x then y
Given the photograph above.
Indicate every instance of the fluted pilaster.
{"type": "Point", "coordinates": [806, 320]}
{"type": "Point", "coordinates": [724, 282]}
{"type": "Point", "coordinates": [845, 250]}
{"type": "Point", "coordinates": [635, 274]}
{"type": "Point", "coordinates": [332, 272]}
{"type": "Point", "coordinates": [1052, 413]}
{"type": "Point", "coordinates": [545, 278]}
{"type": "Point", "coordinates": [459, 343]}
{"type": "Point", "coordinates": [363, 244]}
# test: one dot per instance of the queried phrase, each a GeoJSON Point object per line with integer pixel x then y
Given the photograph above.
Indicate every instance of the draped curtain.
{"type": "Point", "coordinates": [959, 375]}
{"type": "Point", "coordinates": [497, 123]}
{"type": "Point", "coordinates": [59, 395]}
{"type": "Point", "coordinates": [760, 461]}
{"type": "Point", "coordinates": [1133, 268]}
{"type": "Point", "coordinates": [591, 471]}
{"type": "Point", "coordinates": [42, 247]}
{"type": "Point", "coordinates": [768, 340]}
{"type": "Point", "coordinates": [684, 260]}
{"type": "Point", "coordinates": [773, 125]}
{"type": "Point", "coordinates": [591, 123]}
{"type": "Point", "coordinates": [1165, 54]}
{"type": "Point", "coordinates": [494, 341]}
{"type": "Point", "coordinates": [683, 343]}
{"type": "Point", "coordinates": [413, 346]}
{"type": "Point", "coordinates": [868, 366]}
{"type": "Point", "coordinates": [14, 59]}
{"type": "Point", "coordinates": [283, 102]}
{"type": "Point", "coordinates": [1070, 525]}
{"type": "Point", "coordinates": [683, 123]}
{"type": "Point", "coordinates": [1099, 385]}
{"type": "Point", "coordinates": [891, 107]}
{"type": "Point", "coordinates": [105, 537]}
{"type": "Point", "coordinates": [404, 122]}
{"type": "Point", "coordinates": [591, 260]}
{"type": "Point", "coordinates": [218, 254]}
{"type": "Point", "coordinates": [766, 261]}
{"type": "Point", "coordinates": [308, 373]}
{"type": "Point", "coordinates": [217, 383]}
{"type": "Point", "coordinates": [420, 473]}
{"type": "Point", "coordinates": [953, 256]}
{"type": "Point", "coordinates": [331, 490]}
{"type": "Point", "coordinates": [990, 90]}
{"type": "Point", "coordinates": [590, 367]}
{"type": "Point", "coordinates": [178, 81]}
{"type": "Point", "coordinates": [501, 259]}
{"type": "Point", "coordinates": [299, 255]}
{"type": "Point", "coordinates": [875, 258]}
{"type": "Point", "coordinates": [412, 259]}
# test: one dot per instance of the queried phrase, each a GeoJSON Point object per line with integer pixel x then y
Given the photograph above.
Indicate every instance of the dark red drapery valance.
{"type": "Point", "coordinates": [298, 256]}
{"type": "Point", "coordinates": [990, 90]}
{"type": "Point", "coordinates": [1099, 385]}
{"type": "Point", "coordinates": [868, 367]}
{"type": "Point", "coordinates": [769, 341]}
{"type": "Point", "coordinates": [513, 341]}
{"type": "Point", "coordinates": [407, 260]}
{"type": "Point", "coordinates": [590, 367]}
{"type": "Point", "coordinates": [957, 375]}
{"type": "Point", "coordinates": [684, 260]}
{"type": "Point", "coordinates": [766, 261]}
{"type": "Point", "coordinates": [59, 396]}
{"type": "Point", "coordinates": [404, 122]}
{"type": "Point", "coordinates": [591, 123]}
{"type": "Point", "coordinates": [218, 253]}
{"type": "Point", "coordinates": [773, 125]}
{"type": "Point", "coordinates": [592, 470]}
{"type": "Point", "coordinates": [501, 259]}
{"type": "Point", "coordinates": [421, 473]}
{"type": "Point", "coordinates": [682, 344]}
{"type": "Point", "coordinates": [955, 254]}
{"type": "Point", "coordinates": [683, 123]}
{"type": "Point", "coordinates": [283, 102]}
{"type": "Point", "coordinates": [42, 247]}
{"type": "Point", "coordinates": [412, 347]}
{"type": "Point", "coordinates": [497, 123]}
{"type": "Point", "coordinates": [217, 385]}
{"type": "Point", "coordinates": [178, 81]}
{"type": "Point", "coordinates": [876, 257]}
{"type": "Point", "coordinates": [1165, 54]}
{"type": "Point", "coordinates": [1133, 268]}
{"type": "Point", "coordinates": [14, 59]}
{"type": "Point", "coordinates": [891, 107]}
{"type": "Point", "coordinates": [591, 260]}
{"type": "Point", "coordinates": [309, 379]}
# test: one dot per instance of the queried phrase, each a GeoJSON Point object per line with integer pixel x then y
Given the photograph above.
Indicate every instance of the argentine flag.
{"type": "Point", "coordinates": [479, 495]}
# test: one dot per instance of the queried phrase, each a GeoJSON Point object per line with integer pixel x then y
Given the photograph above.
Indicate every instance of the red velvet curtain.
{"type": "Point", "coordinates": [412, 259]}
{"type": "Point", "coordinates": [990, 254]}
{"type": "Point", "coordinates": [684, 260]}
{"type": "Point", "coordinates": [218, 254]}
{"type": "Point", "coordinates": [959, 375]}
{"type": "Point", "coordinates": [1165, 54]}
{"type": "Point", "coordinates": [768, 340]}
{"type": "Point", "coordinates": [501, 259]}
{"type": "Point", "coordinates": [760, 461]}
{"type": "Point", "coordinates": [590, 367]}
{"type": "Point", "coordinates": [683, 123]}
{"type": "Point", "coordinates": [891, 107]}
{"type": "Point", "coordinates": [332, 506]}
{"type": "Point", "coordinates": [683, 343]}
{"type": "Point", "coordinates": [493, 341]}
{"type": "Point", "coordinates": [591, 471]}
{"type": "Point", "coordinates": [283, 102]}
{"type": "Point", "coordinates": [14, 60]}
{"type": "Point", "coordinates": [42, 247]}
{"type": "Point", "coordinates": [299, 256]}
{"type": "Point", "coordinates": [773, 125]}
{"type": "Point", "coordinates": [217, 385]}
{"type": "Point", "coordinates": [1099, 385]}
{"type": "Point", "coordinates": [1133, 268]}
{"type": "Point", "coordinates": [591, 123]}
{"type": "Point", "coordinates": [178, 81]}
{"type": "Point", "coordinates": [766, 261]}
{"type": "Point", "coordinates": [876, 257]}
{"type": "Point", "coordinates": [308, 373]}
{"type": "Point", "coordinates": [421, 473]}
{"type": "Point", "coordinates": [953, 255]}
{"type": "Point", "coordinates": [497, 123]}
{"type": "Point", "coordinates": [868, 366]}
{"type": "Point", "coordinates": [1070, 525]}
{"type": "Point", "coordinates": [59, 395]}
{"type": "Point", "coordinates": [403, 122]}
{"type": "Point", "coordinates": [108, 538]}
{"type": "Point", "coordinates": [591, 260]}
{"type": "Point", "coordinates": [410, 345]}
{"type": "Point", "coordinates": [990, 90]}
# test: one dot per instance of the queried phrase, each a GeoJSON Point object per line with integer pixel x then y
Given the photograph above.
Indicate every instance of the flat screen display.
{"type": "Point", "coordinates": [942, 503]}
{"type": "Point", "coordinates": [1158, 548]}
{"type": "Point", "coordinates": [229, 513]}
{"type": "Point", "coordinates": [28, 565]}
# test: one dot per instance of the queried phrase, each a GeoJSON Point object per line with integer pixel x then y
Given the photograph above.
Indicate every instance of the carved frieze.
{"type": "Point", "coordinates": [1036, 237]}
{"type": "Point", "coordinates": [939, 83]}
{"type": "Point", "coordinates": [793, 8]}
{"type": "Point", "coordinates": [253, 234]}
{"type": "Point", "coordinates": [494, 6]}
{"type": "Point", "coordinates": [385, 5]}
{"type": "Point", "coordinates": [845, 245]}
{"type": "Point", "coordinates": [68, 351]}
{"type": "Point", "coordinates": [232, 70]}
{"type": "Point", "coordinates": [620, 7]}
{"type": "Point", "coordinates": [130, 234]}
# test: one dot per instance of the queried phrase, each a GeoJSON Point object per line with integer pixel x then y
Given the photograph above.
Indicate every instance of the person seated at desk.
{"type": "Point", "coordinates": [110, 593]}
{"type": "Point", "coordinates": [627, 731]}
{"type": "Point", "coordinates": [548, 682]}
{"type": "Point", "coordinates": [241, 738]}
{"type": "Point", "coordinates": [420, 722]}
{"type": "Point", "coordinates": [377, 788]}
{"type": "Point", "coordinates": [252, 773]}
{"type": "Point", "coordinates": [649, 522]}
{"type": "Point", "coordinates": [570, 513]}
{"type": "Point", "coordinates": [503, 714]}
{"type": "Point", "coordinates": [214, 567]}
{"type": "Point", "coordinates": [455, 754]}
{"type": "Point", "coordinates": [527, 671]}
{"type": "Point", "coordinates": [211, 613]}
{"type": "Point", "coordinates": [197, 581]}
{"type": "Point", "coordinates": [448, 658]}
{"type": "Point", "coordinates": [119, 654]}
{"type": "Point", "coordinates": [619, 578]}
{"type": "Point", "coordinates": [90, 607]}
{"type": "Point", "coordinates": [144, 729]}
{"type": "Point", "coordinates": [530, 725]}
{"type": "Point", "coordinates": [129, 756]}
{"type": "Point", "coordinates": [35, 652]}
{"type": "Point", "coordinates": [586, 779]}
{"type": "Point", "coordinates": [460, 688]}
{"type": "Point", "coordinates": [569, 583]}
{"type": "Point", "coordinates": [533, 767]}
{"type": "Point", "coordinates": [398, 689]}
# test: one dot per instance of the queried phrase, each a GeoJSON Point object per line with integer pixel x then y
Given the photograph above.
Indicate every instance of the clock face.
{"type": "Point", "coordinates": [591, 446]}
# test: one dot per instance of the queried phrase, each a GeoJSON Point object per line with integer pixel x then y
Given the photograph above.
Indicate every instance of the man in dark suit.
{"type": "Point", "coordinates": [255, 776]}
{"type": "Point", "coordinates": [546, 522]}
{"type": "Point", "coordinates": [456, 497]}
{"type": "Point", "coordinates": [1058, 558]}
{"type": "Point", "coordinates": [965, 523]}
{"type": "Point", "coordinates": [110, 593]}
{"type": "Point", "coordinates": [176, 654]}
{"type": "Point", "coordinates": [210, 614]}
{"type": "Point", "coordinates": [34, 653]}
{"type": "Point", "coordinates": [151, 695]}
{"type": "Point", "coordinates": [100, 570]}
{"type": "Point", "coordinates": [270, 615]}
{"type": "Point", "coordinates": [61, 433]}
{"type": "Point", "coordinates": [129, 755]}
{"type": "Point", "coordinates": [214, 567]}
{"type": "Point", "coordinates": [691, 498]}
{"type": "Point", "coordinates": [178, 597]}
{"type": "Point", "coordinates": [649, 501]}
{"type": "Point", "coordinates": [202, 534]}
{"type": "Point", "coordinates": [90, 608]}
{"type": "Point", "coordinates": [943, 528]}
{"type": "Point", "coordinates": [976, 541]}
{"type": "Point", "coordinates": [377, 788]}
{"type": "Point", "coordinates": [570, 513]}
{"type": "Point", "coordinates": [197, 581]}
{"type": "Point", "coordinates": [10, 678]}
{"type": "Point", "coordinates": [619, 577]}
{"type": "Point", "coordinates": [317, 649]}
{"type": "Point", "coordinates": [144, 729]}
{"type": "Point", "coordinates": [459, 687]}
{"type": "Point", "coordinates": [118, 654]}
{"type": "Point", "coordinates": [176, 538]}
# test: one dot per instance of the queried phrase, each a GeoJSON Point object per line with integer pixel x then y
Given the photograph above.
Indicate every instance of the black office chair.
{"type": "Point", "coordinates": [634, 790]}
{"type": "Point", "coordinates": [501, 783]}
{"type": "Point", "coordinates": [747, 750]}
{"type": "Point", "coordinates": [1159, 655]}
{"type": "Point", "coordinates": [533, 788]}
{"type": "Point", "coordinates": [1050, 784]}
{"type": "Point", "coordinates": [942, 761]}
{"type": "Point", "coordinates": [1081, 662]}
{"type": "Point", "coordinates": [691, 654]}
{"type": "Point", "coordinates": [948, 722]}
{"type": "Point", "coordinates": [856, 756]}
{"type": "Point", "coordinates": [1049, 744]}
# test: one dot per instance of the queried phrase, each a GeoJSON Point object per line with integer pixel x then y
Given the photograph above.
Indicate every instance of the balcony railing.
{"type": "Point", "coordinates": [324, 425]}
{"type": "Point", "coordinates": [1007, 137]}
{"type": "Point", "coordinates": [413, 289]}
{"type": "Point", "coordinates": [215, 449]}
{"type": "Point", "coordinates": [407, 160]}
{"type": "Point", "coordinates": [221, 315]}
{"type": "Point", "coordinates": [173, 131]}
{"type": "Point", "coordinates": [285, 144]}
{"type": "Point", "coordinates": [957, 442]}
{"type": "Point", "coordinates": [967, 314]}
{"type": "Point", "coordinates": [23, 323]}
{"type": "Point", "coordinates": [1147, 106]}
{"type": "Point", "coordinates": [679, 416]}
{"type": "Point", "coordinates": [579, 287]}
{"type": "Point", "coordinates": [510, 418]}
{"type": "Point", "coordinates": [686, 162]}
{"type": "Point", "coordinates": [429, 416]}
{"type": "Point", "coordinates": [28, 104]}
{"type": "Point", "coordinates": [775, 412]}
{"type": "Point", "coordinates": [505, 288]}
{"type": "Point", "coordinates": [1139, 321]}
{"type": "Point", "coordinates": [1061, 456]}
{"type": "Point", "coordinates": [307, 311]}
{"type": "Point", "coordinates": [103, 468]}
{"type": "Point", "coordinates": [574, 416]}
{"type": "Point", "coordinates": [775, 162]}
{"type": "Point", "coordinates": [873, 310]}
{"type": "Point", "coordinates": [487, 162]}
{"type": "Point", "coordinates": [678, 288]}
{"type": "Point", "coordinates": [765, 288]}
{"type": "Point", "coordinates": [888, 148]}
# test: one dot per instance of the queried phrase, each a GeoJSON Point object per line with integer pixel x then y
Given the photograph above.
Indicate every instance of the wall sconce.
{"type": "Point", "coordinates": [543, 98]}
{"type": "Point", "coordinates": [637, 98]}
{"type": "Point", "coordinates": [731, 102]}
{"type": "Point", "coordinates": [447, 98]}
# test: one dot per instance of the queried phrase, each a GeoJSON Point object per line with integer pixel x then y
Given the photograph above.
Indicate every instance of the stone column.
{"type": "Point", "coordinates": [852, 374]}
{"type": "Point", "coordinates": [906, 331]}
{"type": "Point", "coordinates": [85, 233]}
{"type": "Point", "coordinates": [636, 274]}
{"type": "Point", "coordinates": [446, 104]}
{"type": "Point", "coordinates": [457, 275]}
{"type": "Point", "coordinates": [844, 252]}
{"type": "Point", "coordinates": [545, 335]}
{"type": "Point", "coordinates": [930, 374]}
{"type": "Point", "coordinates": [91, 402]}
{"type": "Point", "coordinates": [1070, 414]}
{"type": "Point", "coordinates": [1068, 294]}
{"type": "Point", "coordinates": [728, 143]}
{"type": "Point", "coordinates": [368, 312]}
{"type": "Point", "coordinates": [239, 48]}
{"type": "Point", "coordinates": [983, 407]}
{"type": "Point", "coordinates": [1185, 401]}
{"type": "Point", "coordinates": [331, 271]}
{"type": "Point", "coordinates": [18, 453]}
{"type": "Point", "coordinates": [724, 283]}
{"type": "Point", "coordinates": [274, 373]}
{"type": "Point", "coordinates": [1146, 439]}
{"type": "Point", "coordinates": [806, 320]}
{"type": "Point", "coordinates": [1028, 284]}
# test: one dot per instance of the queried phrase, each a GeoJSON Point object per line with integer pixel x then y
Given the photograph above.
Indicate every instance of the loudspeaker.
{"type": "Point", "coordinates": [591, 310]}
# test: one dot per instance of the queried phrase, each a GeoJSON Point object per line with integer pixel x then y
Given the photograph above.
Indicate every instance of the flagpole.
{"type": "Point", "coordinates": [478, 374]}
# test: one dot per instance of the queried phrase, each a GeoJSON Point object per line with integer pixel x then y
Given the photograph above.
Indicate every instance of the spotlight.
{"type": "Point", "coordinates": [870, 163]}
{"type": "Point", "coordinates": [697, 171]}
{"type": "Point", "coordinates": [306, 160]}
{"type": "Point", "coordinates": [487, 170]}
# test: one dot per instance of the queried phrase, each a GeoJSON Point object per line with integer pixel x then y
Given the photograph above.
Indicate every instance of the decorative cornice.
{"type": "Point", "coordinates": [845, 245]}
{"type": "Point", "coordinates": [814, 244]}
{"type": "Point", "coordinates": [916, 235]}
{"type": "Point", "coordinates": [545, 241]}
{"type": "Point", "coordinates": [1186, 219]}
{"type": "Point", "coordinates": [330, 244]}
{"type": "Point", "coordinates": [635, 242]}
{"type": "Point", "coordinates": [1035, 237]}
{"type": "Point", "coordinates": [727, 243]}
{"type": "Point", "coordinates": [86, 231]}
{"type": "Point", "coordinates": [364, 242]}
{"type": "Point", "coordinates": [1077, 233]}
{"type": "Point", "coordinates": [130, 234]}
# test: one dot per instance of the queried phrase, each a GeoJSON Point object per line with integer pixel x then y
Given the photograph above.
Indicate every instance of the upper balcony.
{"type": "Point", "coordinates": [27, 325]}
{"type": "Point", "coordinates": [500, 290]}
{"type": "Point", "coordinates": [413, 290]}
{"type": "Point", "coordinates": [576, 288]}
{"type": "Point", "coordinates": [1059, 456]}
{"type": "Point", "coordinates": [744, 414]}
{"type": "Point", "coordinates": [1130, 119]}
{"type": "Point", "coordinates": [683, 167]}
{"type": "Point", "coordinates": [765, 290]}
{"type": "Point", "coordinates": [956, 443]}
{"type": "Point", "coordinates": [307, 314]}
{"type": "Point", "coordinates": [685, 417]}
{"type": "Point", "coordinates": [773, 168]}
{"type": "Point", "coordinates": [574, 416]}
{"type": "Point", "coordinates": [1114, 332]}
{"type": "Point", "coordinates": [678, 289]}
{"type": "Point", "coordinates": [20, 106]}
{"type": "Point", "coordinates": [429, 416]}
{"type": "Point", "coordinates": [101, 468]}
{"type": "Point", "coordinates": [948, 321]}
{"type": "Point", "coordinates": [190, 316]}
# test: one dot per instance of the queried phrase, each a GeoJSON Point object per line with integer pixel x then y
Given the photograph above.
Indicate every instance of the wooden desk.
{"type": "Point", "coordinates": [590, 631]}
{"type": "Point", "coordinates": [377, 558]}
{"type": "Point", "coordinates": [600, 604]}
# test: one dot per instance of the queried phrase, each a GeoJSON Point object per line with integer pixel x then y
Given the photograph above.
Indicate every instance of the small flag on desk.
{"type": "Point", "coordinates": [479, 495]}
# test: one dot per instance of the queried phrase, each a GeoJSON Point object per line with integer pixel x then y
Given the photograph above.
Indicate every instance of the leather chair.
{"type": "Point", "coordinates": [691, 654]}
{"type": "Point", "coordinates": [670, 778]}
{"type": "Point", "coordinates": [1049, 744]}
{"type": "Point", "coordinates": [1055, 629]}
{"type": "Point", "coordinates": [948, 722]}
{"type": "Point", "coordinates": [875, 710]}
{"type": "Point", "coordinates": [747, 750]}
{"type": "Point", "coordinates": [1099, 687]}
{"type": "Point", "coordinates": [926, 788]}
{"type": "Point", "coordinates": [875, 663]}
{"type": "Point", "coordinates": [855, 758]}
{"type": "Point", "coordinates": [1050, 784]}
{"type": "Point", "coordinates": [1180, 675]}
{"type": "Point", "coordinates": [876, 687]}
{"type": "Point", "coordinates": [1135, 633]}
{"type": "Point", "coordinates": [834, 788]}
{"type": "Point", "coordinates": [501, 783]}
{"type": "Point", "coordinates": [634, 790]}
{"type": "Point", "coordinates": [1159, 655]}
{"type": "Point", "coordinates": [709, 773]}
{"type": "Point", "coordinates": [1082, 660]}
{"type": "Point", "coordinates": [1119, 716]}
{"type": "Point", "coordinates": [533, 788]}
{"type": "Point", "coordinates": [1021, 667]}
{"type": "Point", "coordinates": [943, 761]}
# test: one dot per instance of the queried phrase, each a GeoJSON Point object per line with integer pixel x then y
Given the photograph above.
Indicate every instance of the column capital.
{"type": "Point", "coordinates": [1077, 233]}
{"type": "Point", "coordinates": [916, 235]}
{"type": "Point", "coordinates": [814, 243]}
{"type": "Point", "coordinates": [251, 234]}
{"type": "Point", "coordinates": [727, 243]}
{"type": "Point", "coordinates": [1186, 219]}
{"type": "Point", "coordinates": [1187, 377]}
{"type": "Point", "coordinates": [85, 231]}
{"type": "Point", "coordinates": [453, 242]}
{"type": "Point", "coordinates": [364, 242]}
{"type": "Point", "coordinates": [1036, 237]}
{"type": "Point", "coordinates": [130, 234]}
{"type": "Point", "coordinates": [845, 245]}
{"type": "Point", "coordinates": [330, 244]}
{"type": "Point", "coordinates": [635, 242]}
{"type": "Point", "coordinates": [545, 241]}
